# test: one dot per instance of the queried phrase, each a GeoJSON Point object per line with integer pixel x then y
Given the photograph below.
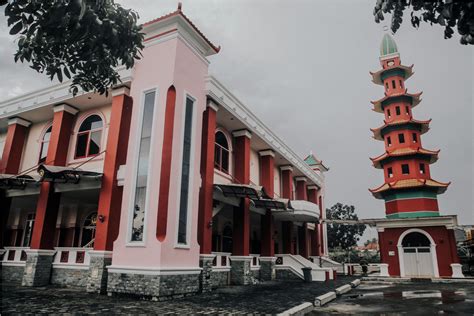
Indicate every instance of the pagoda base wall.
{"type": "Point", "coordinates": [419, 207]}
{"type": "Point", "coordinates": [444, 249]}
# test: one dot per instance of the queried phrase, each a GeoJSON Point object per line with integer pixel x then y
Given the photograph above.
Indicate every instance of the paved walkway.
{"type": "Point", "coordinates": [266, 298]}
{"type": "Point", "coordinates": [372, 298]}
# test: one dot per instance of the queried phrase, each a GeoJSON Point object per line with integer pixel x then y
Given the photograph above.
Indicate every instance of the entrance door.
{"type": "Point", "coordinates": [417, 256]}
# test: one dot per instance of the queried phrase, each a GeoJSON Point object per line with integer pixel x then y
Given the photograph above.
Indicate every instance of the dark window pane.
{"type": "Point", "coordinates": [142, 173]}
{"type": "Point", "coordinates": [94, 143]}
{"type": "Point", "coordinates": [225, 160]}
{"type": "Point", "coordinates": [217, 157]}
{"type": "Point", "coordinates": [222, 140]}
{"type": "Point", "coordinates": [401, 138]}
{"type": "Point", "coordinates": [414, 138]}
{"type": "Point", "coordinates": [405, 169]}
{"type": "Point", "coordinates": [81, 145]}
{"type": "Point", "coordinates": [185, 169]}
{"type": "Point", "coordinates": [92, 122]}
{"type": "Point", "coordinates": [397, 110]}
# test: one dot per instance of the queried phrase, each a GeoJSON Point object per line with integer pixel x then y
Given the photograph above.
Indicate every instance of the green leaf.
{"type": "Point", "coordinates": [16, 28]}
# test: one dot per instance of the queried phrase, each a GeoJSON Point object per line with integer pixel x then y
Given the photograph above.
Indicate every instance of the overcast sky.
{"type": "Point", "coordinates": [303, 67]}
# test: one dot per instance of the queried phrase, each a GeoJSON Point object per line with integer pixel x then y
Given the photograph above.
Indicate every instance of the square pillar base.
{"type": "Point", "coordinates": [97, 279]}
{"type": "Point", "coordinates": [205, 263]}
{"type": "Point", "coordinates": [457, 270]}
{"type": "Point", "coordinates": [267, 268]}
{"type": "Point", "coordinates": [240, 273]}
{"type": "Point", "coordinates": [384, 270]}
{"type": "Point", "coordinates": [39, 263]}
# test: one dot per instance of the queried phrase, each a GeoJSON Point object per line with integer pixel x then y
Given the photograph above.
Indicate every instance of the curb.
{"type": "Point", "coordinates": [331, 296]}
{"type": "Point", "coordinates": [298, 310]}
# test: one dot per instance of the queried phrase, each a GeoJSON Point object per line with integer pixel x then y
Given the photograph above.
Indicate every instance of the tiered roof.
{"type": "Point", "coordinates": [378, 132]}
{"type": "Point", "coordinates": [414, 99]}
{"type": "Point", "coordinates": [377, 77]}
{"type": "Point", "coordinates": [439, 187]}
{"type": "Point", "coordinates": [407, 151]}
{"type": "Point", "coordinates": [312, 161]}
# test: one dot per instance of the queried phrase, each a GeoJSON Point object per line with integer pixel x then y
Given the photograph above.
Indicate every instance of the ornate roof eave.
{"type": "Point", "coordinates": [377, 161]}
{"type": "Point", "coordinates": [376, 76]}
{"type": "Point", "coordinates": [415, 100]}
{"type": "Point", "coordinates": [378, 192]}
{"type": "Point", "coordinates": [378, 131]}
{"type": "Point", "coordinates": [178, 12]}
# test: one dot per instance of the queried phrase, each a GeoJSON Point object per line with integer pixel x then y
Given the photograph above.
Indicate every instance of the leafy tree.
{"type": "Point", "coordinates": [342, 235]}
{"type": "Point", "coordinates": [447, 13]}
{"type": "Point", "coordinates": [85, 40]}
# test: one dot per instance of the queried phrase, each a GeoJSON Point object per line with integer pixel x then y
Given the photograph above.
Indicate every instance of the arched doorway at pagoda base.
{"type": "Point", "coordinates": [417, 254]}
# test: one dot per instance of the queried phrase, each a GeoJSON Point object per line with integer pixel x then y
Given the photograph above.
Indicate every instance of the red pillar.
{"type": "Point", "coordinates": [315, 242]}
{"type": "Point", "coordinates": [166, 157]}
{"type": "Point", "coordinates": [14, 143]}
{"type": "Point", "coordinates": [301, 188]}
{"type": "Point", "coordinates": [110, 198]}
{"type": "Point", "coordinates": [10, 164]}
{"type": "Point", "coordinates": [207, 176]}
{"type": "Point", "coordinates": [241, 234]}
{"type": "Point", "coordinates": [267, 176]}
{"type": "Point", "coordinates": [48, 201]}
{"type": "Point", "coordinates": [287, 193]}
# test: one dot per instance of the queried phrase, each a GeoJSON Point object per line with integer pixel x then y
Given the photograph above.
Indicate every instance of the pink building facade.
{"type": "Point", "coordinates": [166, 187]}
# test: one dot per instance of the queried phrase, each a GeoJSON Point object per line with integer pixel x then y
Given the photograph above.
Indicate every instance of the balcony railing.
{"type": "Point", "coordinates": [221, 261]}
{"type": "Point", "coordinates": [72, 257]}
{"type": "Point", "coordinates": [14, 256]}
{"type": "Point", "coordinates": [255, 262]}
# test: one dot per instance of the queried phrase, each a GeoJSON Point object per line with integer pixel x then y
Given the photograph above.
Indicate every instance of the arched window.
{"type": "Point", "coordinates": [88, 230]}
{"type": "Point", "coordinates": [221, 153]}
{"type": "Point", "coordinates": [89, 136]}
{"type": "Point", "coordinates": [416, 239]}
{"type": "Point", "coordinates": [45, 145]}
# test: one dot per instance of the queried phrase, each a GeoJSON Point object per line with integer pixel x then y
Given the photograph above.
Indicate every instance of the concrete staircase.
{"type": "Point", "coordinates": [296, 263]}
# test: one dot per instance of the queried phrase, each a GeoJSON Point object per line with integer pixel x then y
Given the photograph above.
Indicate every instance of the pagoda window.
{"type": "Point", "coordinates": [89, 137]}
{"type": "Point", "coordinates": [415, 138]}
{"type": "Point", "coordinates": [397, 110]}
{"type": "Point", "coordinates": [401, 84]}
{"type": "Point", "coordinates": [393, 84]}
{"type": "Point", "coordinates": [401, 138]}
{"type": "Point", "coordinates": [390, 172]}
{"type": "Point", "coordinates": [388, 113]}
{"type": "Point", "coordinates": [405, 169]}
{"type": "Point", "coordinates": [389, 141]}
{"type": "Point", "coordinates": [407, 110]}
{"type": "Point", "coordinates": [386, 86]}
{"type": "Point", "coordinates": [221, 152]}
{"type": "Point", "coordinates": [422, 168]}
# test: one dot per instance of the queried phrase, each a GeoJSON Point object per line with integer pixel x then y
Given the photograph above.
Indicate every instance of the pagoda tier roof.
{"type": "Point", "coordinates": [378, 132]}
{"type": "Point", "coordinates": [179, 12]}
{"type": "Point", "coordinates": [377, 76]}
{"type": "Point", "coordinates": [377, 161]}
{"type": "Point", "coordinates": [312, 161]}
{"type": "Point", "coordinates": [440, 187]}
{"type": "Point", "coordinates": [415, 100]}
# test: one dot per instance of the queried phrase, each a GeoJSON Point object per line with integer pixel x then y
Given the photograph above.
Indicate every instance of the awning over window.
{"type": "Point", "coordinates": [16, 182]}
{"type": "Point", "coordinates": [277, 204]}
{"type": "Point", "coordinates": [253, 192]}
{"type": "Point", "coordinates": [298, 211]}
{"type": "Point", "coordinates": [65, 174]}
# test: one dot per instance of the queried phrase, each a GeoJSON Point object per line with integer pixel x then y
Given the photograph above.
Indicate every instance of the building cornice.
{"type": "Point", "coordinates": [286, 167]}
{"type": "Point", "coordinates": [66, 108]}
{"type": "Point", "coordinates": [19, 121]}
{"type": "Point", "coordinates": [267, 152]}
{"type": "Point", "coordinates": [51, 95]}
{"type": "Point", "coordinates": [227, 100]}
{"type": "Point", "coordinates": [304, 179]}
{"type": "Point", "coordinates": [242, 132]}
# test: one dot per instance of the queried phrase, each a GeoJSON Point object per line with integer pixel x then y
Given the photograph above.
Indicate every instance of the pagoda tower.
{"type": "Point", "coordinates": [415, 240]}
{"type": "Point", "coordinates": [408, 190]}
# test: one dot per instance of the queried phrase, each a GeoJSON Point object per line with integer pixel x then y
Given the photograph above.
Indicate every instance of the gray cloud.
{"type": "Point", "coordinates": [303, 68]}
